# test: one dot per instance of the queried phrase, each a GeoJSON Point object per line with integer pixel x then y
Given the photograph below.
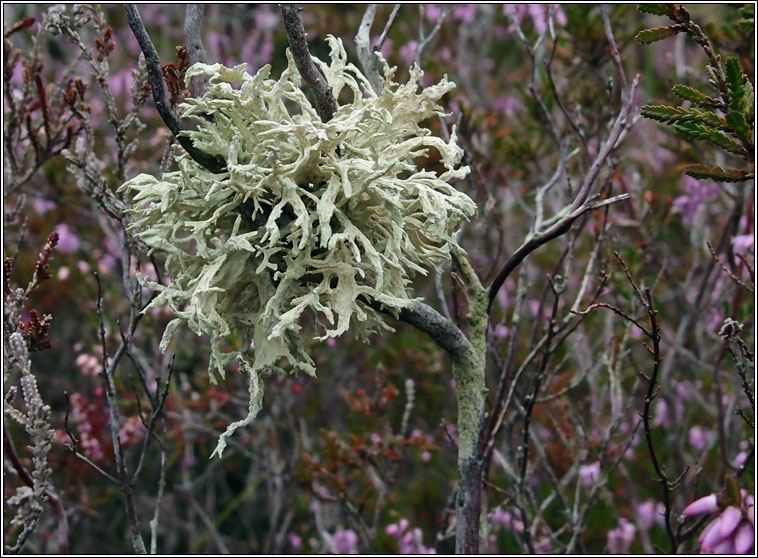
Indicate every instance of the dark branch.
{"type": "Point", "coordinates": [212, 163]}
{"type": "Point", "coordinates": [326, 106]}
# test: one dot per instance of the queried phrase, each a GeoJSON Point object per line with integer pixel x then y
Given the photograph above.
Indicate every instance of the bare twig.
{"type": "Point", "coordinates": [423, 38]}
{"type": "Point", "coordinates": [73, 448]}
{"type": "Point", "coordinates": [387, 27]}
{"type": "Point", "coordinates": [367, 58]}
{"type": "Point", "coordinates": [125, 483]}
{"type": "Point", "coordinates": [326, 105]}
{"type": "Point", "coordinates": [614, 49]}
{"type": "Point", "coordinates": [578, 207]}
{"type": "Point", "coordinates": [731, 275]}
{"type": "Point", "coordinates": [156, 515]}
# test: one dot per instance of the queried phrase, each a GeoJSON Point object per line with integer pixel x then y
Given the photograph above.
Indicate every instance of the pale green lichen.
{"type": "Point", "coordinates": [310, 216]}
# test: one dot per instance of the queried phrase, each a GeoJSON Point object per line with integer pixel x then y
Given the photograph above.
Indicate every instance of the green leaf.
{"type": "Point", "coordinates": [655, 9]}
{"type": "Point", "coordinates": [686, 93]}
{"type": "Point", "coordinates": [736, 121]}
{"type": "Point", "coordinates": [648, 36]}
{"type": "Point", "coordinates": [693, 131]}
{"type": "Point", "coordinates": [746, 25]}
{"type": "Point", "coordinates": [702, 172]}
{"type": "Point", "coordinates": [749, 102]}
{"type": "Point", "coordinates": [671, 115]}
{"type": "Point", "coordinates": [735, 79]}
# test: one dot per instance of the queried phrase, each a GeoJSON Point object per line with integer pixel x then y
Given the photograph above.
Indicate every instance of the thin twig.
{"type": "Point", "coordinates": [193, 40]}
{"type": "Point", "coordinates": [214, 164]}
{"type": "Point", "coordinates": [127, 488]}
{"type": "Point", "coordinates": [326, 105]}
{"type": "Point", "coordinates": [614, 49]}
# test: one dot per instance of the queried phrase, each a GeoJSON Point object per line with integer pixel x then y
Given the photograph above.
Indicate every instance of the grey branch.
{"type": "Point", "coordinates": [367, 58]}
{"type": "Point", "coordinates": [443, 332]}
{"type": "Point", "coordinates": [326, 105]}
{"type": "Point", "coordinates": [213, 164]}
{"type": "Point", "coordinates": [193, 40]}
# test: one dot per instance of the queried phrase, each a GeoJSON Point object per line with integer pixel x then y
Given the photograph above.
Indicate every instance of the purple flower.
{"type": "Point", "coordinates": [465, 13]}
{"type": "Point", "coordinates": [68, 242]}
{"type": "Point", "coordinates": [408, 52]}
{"type": "Point", "coordinates": [706, 504]}
{"type": "Point", "coordinates": [346, 542]}
{"type": "Point", "coordinates": [42, 205]}
{"type": "Point", "coordinates": [744, 244]}
{"type": "Point", "coordinates": [589, 473]}
{"type": "Point", "coordinates": [411, 541]}
{"type": "Point", "coordinates": [507, 105]}
{"type": "Point", "coordinates": [733, 531]}
{"type": "Point", "coordinates": [538, 14]}
{"type": "Point", "coordinates": [699, 437]}
{"type": "Point", "coordinates": [620, 539]}
{"type": "Point", "coordinates": [295, 541]}
{"type": "Point", "coordinates": [649, 513]}
{"type": "Point", "coordinates": [506, 520]}
{"type": "Point", "coordinates": [697, 193]}
{"type": "Point", "coordinates": [266, 18]}
{"type": "Point", "coordinates": [432, 12]}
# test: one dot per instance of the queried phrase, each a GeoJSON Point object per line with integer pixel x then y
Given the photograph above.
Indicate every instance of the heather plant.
{"type": "Point", "coordinates": [527, 296]}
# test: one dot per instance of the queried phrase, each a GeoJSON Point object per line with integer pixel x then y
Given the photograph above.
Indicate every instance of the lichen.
{"type": "Point", "coordinates": [312, 225]}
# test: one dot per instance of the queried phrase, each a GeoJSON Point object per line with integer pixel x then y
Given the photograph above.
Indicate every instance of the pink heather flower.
{"type": "Point", "coordinates": [410, 541]}
{"type": "Point", "coordinates": [589, 473]}
{"type": "Point", "coordinates": [499, 332]}
{"type": "Point", "coordinates": [744, 539]}
{"type": "Point", "coordinates": [131, 431]}
{"type": "Point", "coordinates": [739, 459]}
{"type": "Point", "coordinates": [68, 242]}
{"type": "Point", "coordinates": [408, 52]}
{"type": "Point", "coordinates": [346, 542]}
{"type": "Point", "coordinates": [331, 342]}
{"type": "Point", "coordinates": [375, 438]}
{"type": "Point", "coordinates": [506, 520]}
{"type": "Point", "coordinates": [42, 206]}
{"type": "Point", "coordinates": [733, 531]}
{"type": "Point", "coordinates": [266, 18]}
{"type": "Point", "coordinates": [699, 437]}
{"type": "Point", "coordinates": [649, 513]}
{"type": "Point", "coordinates": [697, 193]}
{"type": "Point", "coordinates": [744, 244]}
{"type": "Point", "coordinates": [89, 365]}
{"type": "Point", "coordinates": [538, 14]}
{"type": "Point", "coordinates": [465, 13]}
{"type": "Point", "coordinates": [63, 273]}
{"type": "Point", "coordinates": [295, 541]}
{"type": "Point", "coordinates": [426, 457]}
{"type": "Point", "coordinates": [432, 12]}
{"type": "Point", "coordinates": [620, 539]}
{"type": "Point", "coordinates": [706, 504]}
{"type": "Point", "coordinates": [507, 106]}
